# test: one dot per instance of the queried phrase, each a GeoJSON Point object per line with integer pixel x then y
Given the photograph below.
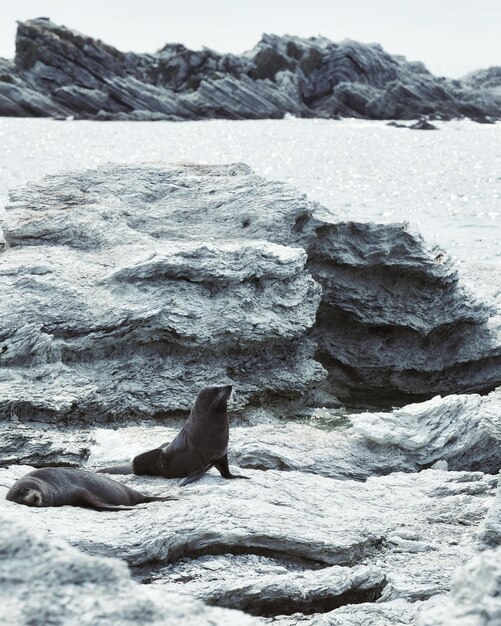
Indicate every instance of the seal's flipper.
{"type": "Point", "coordinates": [146, 464]}
{"type": "Point", "coordinates": [116, 469]}
{"type": "Point", "coordinates": [159, 498]}
{"type": "Point", "coordinates": [84, 498]}
{"type": "Point", "coordinates": [223, 468]}
{"type": "Point", "coordinates": [193, 477]}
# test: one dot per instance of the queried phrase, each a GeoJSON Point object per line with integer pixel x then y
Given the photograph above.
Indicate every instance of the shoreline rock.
{"type": "Point", "coordinates": [58, 72]}
{"type": "Point", "coordinates": [46, 581]}
{"type": "Point", "coordinates": [130, 287]}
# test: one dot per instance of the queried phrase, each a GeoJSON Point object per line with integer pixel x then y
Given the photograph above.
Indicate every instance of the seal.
{"type": "Point", "coordinates": [202, 443]}
{"type": "Point", "coordinates": [57, 486]}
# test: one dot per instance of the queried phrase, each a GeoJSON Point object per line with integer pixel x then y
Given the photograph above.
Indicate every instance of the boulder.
{"type": "Point", "coordinates": [130, 287]}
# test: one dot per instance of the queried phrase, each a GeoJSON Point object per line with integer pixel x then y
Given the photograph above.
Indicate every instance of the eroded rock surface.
{"type": "Point", "coordinates": [475, 597]}
{"type": "Point", "coordinates": [266, 587]}
{"type": "Point", "coordinates": [128, 288]}
{"type": "Point", "coordinates": [46, 581]}
{"type": "Point", "coordinates": [59, 72]}
{"type": "Point", "coordinates": [396, 537]}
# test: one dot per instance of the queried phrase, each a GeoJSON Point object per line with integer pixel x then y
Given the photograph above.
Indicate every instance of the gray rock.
{"type": "Point", "coordinates": [446, 433]}
{"type": "Point", "coordinates": [475, 597]}
{"type": "Point", "coordinates": [46, 581]}
{"type": "Point", "coordinates": [491, 528]}
{"type": "Point", "coordinates": [266, 587]}
{"type": "Point", "coordinates": [38, 445]}
{"type": "Point", "coordinates": [59, 72]}
{"type": "Point", "coordinates": [413, 530]}
{"type": "Point", "coordinates": [135, 286]}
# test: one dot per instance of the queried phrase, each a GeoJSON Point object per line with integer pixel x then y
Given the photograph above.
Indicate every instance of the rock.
{"type": "Point", "coordinates": [283, 529]}
{"type": "Point", "coordinates": [423, 124]}
{"type": "Point", "coordinates": [446, 433]}
{"type": "Point", "coordinates": [396, 612]}
{"type": "Point", "coordinates": [265, 587]}
{"type": "Point", "coordinates": [475, 597]}
{"type": "Point", "coordinates": [41, 446]}
{"type": "Point", "coordinates": [489, 78]}
{"type": "Point", "coordinates": [46, 581]}
{"type": "Point", "coordinates": [491, 528]}
{"type": "Point", "coordinates": [114, 289]}
{"type": "Point", "coordinates": [59, 72]}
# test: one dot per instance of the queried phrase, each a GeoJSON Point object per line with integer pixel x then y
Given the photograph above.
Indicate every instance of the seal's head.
{"type": "Point", "coordinates": [213, 400]}
{"type": "Point", "coordinates": [28, 491]}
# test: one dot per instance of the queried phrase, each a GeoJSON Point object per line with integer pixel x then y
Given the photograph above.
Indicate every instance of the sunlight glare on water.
{"type": "Point", "coordinates": [448, 181]}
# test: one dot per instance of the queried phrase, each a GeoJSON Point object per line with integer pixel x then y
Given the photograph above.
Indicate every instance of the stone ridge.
{"type": "Point", "coordinates": [58, 72]}
{"type": "Point", "coordinates": [46, 581]}
{"type": "Point", "coordinates": [128, 288]}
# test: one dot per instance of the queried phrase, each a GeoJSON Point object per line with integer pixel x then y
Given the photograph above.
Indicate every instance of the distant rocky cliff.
{"type": "Point", "coordinates": [58, 72]}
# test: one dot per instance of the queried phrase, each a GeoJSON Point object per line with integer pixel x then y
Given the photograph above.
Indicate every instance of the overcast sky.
{"type": "Point", "coordinates": [452, 37]}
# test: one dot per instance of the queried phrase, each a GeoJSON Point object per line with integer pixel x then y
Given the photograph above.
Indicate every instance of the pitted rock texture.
{"type": "Point", "coordinates": [59, 72]}
{"type": "Point", "coordinates": [46, 581]}
{"type": "Point", "coordinates": [127, 289]}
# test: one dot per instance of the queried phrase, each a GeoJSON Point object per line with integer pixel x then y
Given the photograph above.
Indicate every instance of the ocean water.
{"type": "Point", "coordinates": [448, 181]}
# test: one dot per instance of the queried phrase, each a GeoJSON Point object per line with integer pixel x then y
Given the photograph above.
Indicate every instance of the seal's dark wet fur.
{"type": "Point", "coordinates": [57, 486]}
{"type": "Point", "coordinates": [201, 444]}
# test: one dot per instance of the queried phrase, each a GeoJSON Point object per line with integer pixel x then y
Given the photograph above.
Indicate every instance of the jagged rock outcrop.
{"type": "Point", "coordinates": [58, 72]}
{"type": "Point", "coordinates": [46, 581]}
{"type": "Point", "coordinates": [128, 288]}
{"type": "Point", "coordinates": [489, 78]}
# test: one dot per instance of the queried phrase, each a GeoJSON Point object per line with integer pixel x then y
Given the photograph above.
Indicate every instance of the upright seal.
{"type": "Point", "coordinates": [201, 444]}
{"type": "Point", "coordinates": [57, 486]}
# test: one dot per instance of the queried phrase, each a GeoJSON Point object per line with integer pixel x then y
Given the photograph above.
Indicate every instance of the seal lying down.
{"type": "Point", "coordinates": [57, 486]}
{"type": "Point", "coordinates": [202, 443]}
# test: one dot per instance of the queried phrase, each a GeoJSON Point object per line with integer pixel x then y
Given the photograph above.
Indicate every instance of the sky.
{"type": "Point", "coordinates": [452, 37]}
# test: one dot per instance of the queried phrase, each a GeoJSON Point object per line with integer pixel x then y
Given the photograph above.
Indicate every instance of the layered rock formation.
{"type": "Point", "coordinates": [45, 581]}
{"type": "Point", "coordinates": [58, 72]}
{"type": "Point", "coordinates": [288, 542]}
{"type": "Point", "coordinates": [127, 289]}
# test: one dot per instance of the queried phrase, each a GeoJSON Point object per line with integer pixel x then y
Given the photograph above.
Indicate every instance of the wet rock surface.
{"type": "Point", "coordinates": [129, 288]}
{"type": "Point", "coordinates": [59, 72]}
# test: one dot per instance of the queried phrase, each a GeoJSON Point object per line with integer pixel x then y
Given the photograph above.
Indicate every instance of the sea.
{"type": "Point", "coordinates": [446, 181]}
